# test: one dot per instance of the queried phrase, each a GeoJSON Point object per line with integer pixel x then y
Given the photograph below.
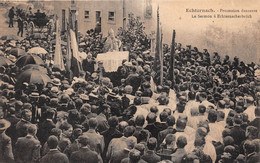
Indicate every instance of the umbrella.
{"type": "Point", "coordinates": [38, 36]}
{"type": "Point", "coordinates": [35, 67]}
{"type": "Point", "coordinates": [2, 53]}
{"type": "Point", "coordinates": [17, 52]}
{"type": "Point", "coordinates": [28, 59]}
{"type": "Point", "coordinates": [10, 37]}
{"type": "Point", "coordinates": [4, 61]}
{"type": "Point", "coordinates": [37, 50]}
{"type": "Point", "coordinates": [32, 76]}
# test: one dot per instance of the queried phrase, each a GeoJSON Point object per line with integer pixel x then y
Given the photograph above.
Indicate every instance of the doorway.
{"type": "Point", "coordinates": [98, 22]}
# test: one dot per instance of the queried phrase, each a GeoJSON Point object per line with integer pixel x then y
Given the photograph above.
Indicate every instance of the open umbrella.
{"type": "Point", "coordinates": [2, 53]}
{"type": "Point", "coordinates": [10, 37]}
{"type": "Point", "coordinates": [4, 61]}
{"type": "Point", "coordinates": [35, 67]}
{"type": "Point", "coordinates": [32, 76]}
{"type": "Point", "coordinates": [37, 50]}
{"type": "Point", "coordinates": [28, 59]}
{"type": "Point", "coordinates": [17, 52]}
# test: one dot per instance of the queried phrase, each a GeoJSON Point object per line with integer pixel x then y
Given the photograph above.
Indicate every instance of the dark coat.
{"type": "Point", "coordinates": [88, 65]}
{"type": "Point", "coordinates": [138, 131]}
{"type": "Point", "coordinates": [152, 129]}
{"type": "Point", "coordinates": [11, 131]}
{"type": "Point", "coordinates": [253, 158]}
{"type": "Point", "coordinates": [27, 149]}
{"type": "Point", "coordinates": [238, 135]}
{"type": "Point", "coordinates": [84, 155]}
{"type": "Point", "coordinates": [54, 156]}
{"type": "Point", "coordinates": [75, 146]}
{"type": "Point", "coordinates": [256, 123]}
{"type": "Point", "coordinates": [21, 128]}
{"type": "Point", "coordinates": [134, 80]}
{"type": "Point", "coordinates": [118, 156]}
{"type": "Point", "coordinates": [109, 135]}
{"type": "Point", "coordinates": [11, 13]}
{"type": "Point", "coordinates": [161, 126]}
{"type": "Point", "coordinates": [151, 157]}
{"type": "Point", "coordinates": [6, 153]}
{"type": "Point", "coordinates": [45, 130]}
{"type": "Point", "coordinates": [164, 133]}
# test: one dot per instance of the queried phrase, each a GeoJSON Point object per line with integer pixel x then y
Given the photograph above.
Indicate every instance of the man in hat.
{"type": "Point", "coordinates": [24, 123]}
{"type": "Point", "coordinates": [54, 155]}
{"type": "Point", "coordinates": [20, 26]}
{"type": "Point", "coordinates": [85, 154]}
{"type": "Point", "coordinates": [11, 17]}
{"type": "Point", "coordinates": [6, 153]}
{"type": "Point", "coordinates": [27, 149]}
{"type": "Point", "coordinates": [237, 132]}
{"type": "Point", "coordinates": [46, 126]}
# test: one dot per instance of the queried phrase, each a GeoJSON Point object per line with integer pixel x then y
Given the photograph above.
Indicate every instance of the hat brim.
{"type": "Point", "coordinates": [7, 125]}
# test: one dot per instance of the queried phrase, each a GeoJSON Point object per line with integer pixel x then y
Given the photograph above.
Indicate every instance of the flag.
{"type": "Point", "coordinates": [171, 71]}
{"type": "Point", "coordinates": [161, 58]}
{"type": "Point", "coordinates": [68, 56]}
{"type": "Point", "coordinates": [58, 57]}
{"type": "Point", "coordinates": [76, 65]}
{"type": "Point", "coordinates": [158, 60]}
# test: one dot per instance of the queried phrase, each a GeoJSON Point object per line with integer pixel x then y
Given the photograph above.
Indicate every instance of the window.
{"type": "Point", "coordinates": [111, 16]}
{"type": "Point", "coordinates": [86, 15]}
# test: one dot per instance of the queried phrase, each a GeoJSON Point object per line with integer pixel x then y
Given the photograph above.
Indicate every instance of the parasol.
{"type": "Point", "coordinates": [35, 67]}
{"type": "Point", "coordinates": [33, 76]}
{"type": "Point", "coordinates": [10, 37]}
{"type": "Point", "coordinates": [4, 61]}
{"type": "Point", "coordinates": [17, 52]}
{"type": "Point", "coordinates": [37, 50]}
{"type": "Point", "coordinates": [28, 59]}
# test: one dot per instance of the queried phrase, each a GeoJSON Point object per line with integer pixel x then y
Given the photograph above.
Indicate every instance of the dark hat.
{"type": "Point", "coordinates": [228, 140]}
{"type": "Point", "coordinates": [238, 119]}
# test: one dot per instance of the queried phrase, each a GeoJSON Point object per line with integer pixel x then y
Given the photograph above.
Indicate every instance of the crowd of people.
{"type": "Point", "coordinates": [207, 114]}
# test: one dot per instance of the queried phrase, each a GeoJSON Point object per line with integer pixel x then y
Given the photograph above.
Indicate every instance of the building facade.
{"type": "Point", "coordinates": [106, 14]}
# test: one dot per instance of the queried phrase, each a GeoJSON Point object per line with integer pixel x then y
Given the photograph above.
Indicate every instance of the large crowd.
{"type": "Point", "coordinates": [208, 113]}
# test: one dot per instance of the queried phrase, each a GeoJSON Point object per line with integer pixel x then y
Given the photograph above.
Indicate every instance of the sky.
{"type": "Point", "coordinates": [227, 36]}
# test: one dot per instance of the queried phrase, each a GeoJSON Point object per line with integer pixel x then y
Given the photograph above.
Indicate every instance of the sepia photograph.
{"type": "Point", "coordinates": [129, 81]}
